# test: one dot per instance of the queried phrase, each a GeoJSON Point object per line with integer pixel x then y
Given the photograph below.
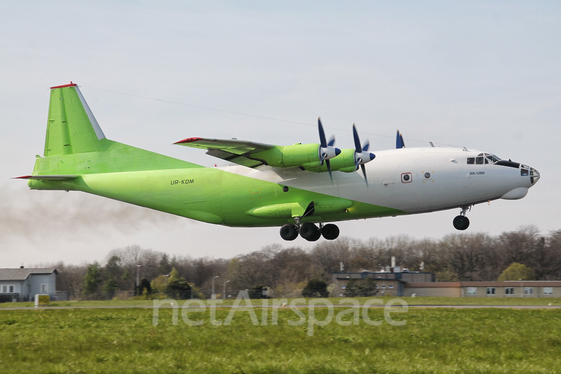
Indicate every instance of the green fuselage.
{"type": "Point", "coordinates": [205, 194]}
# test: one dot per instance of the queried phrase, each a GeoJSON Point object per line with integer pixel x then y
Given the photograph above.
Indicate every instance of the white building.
{"type": "Point", "coordinates": [525, 288]}
{"type": "Point", "coordinates": [23, 284]}
{"type": "Point", "coordinates": [396, 282]}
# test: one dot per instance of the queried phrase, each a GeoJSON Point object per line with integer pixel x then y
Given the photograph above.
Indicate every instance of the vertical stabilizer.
{"type": "Point", "coordinates": [75, 145]}
{"type": "Point", "coordinates": [71, 126]}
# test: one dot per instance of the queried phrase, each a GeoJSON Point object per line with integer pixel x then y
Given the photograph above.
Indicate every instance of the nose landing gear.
{"type": "Point", "coordinates": [309, 231]}
{"type": "Point", "coordinates": [461, 222]}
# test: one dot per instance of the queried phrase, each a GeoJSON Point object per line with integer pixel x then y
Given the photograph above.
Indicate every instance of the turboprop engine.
{"type": "Point", "coordinates": [320, 157]}
{"type": "Point", "coordinates": [309, 156]}
{"type": "Point", "coordinates": [349, 160]}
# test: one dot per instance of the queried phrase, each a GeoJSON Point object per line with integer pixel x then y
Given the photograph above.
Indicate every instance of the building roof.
{"type": "Point", "coordinates": [23, 273]}
{"type": "Point", "coordinates": [526, 283]}
{"type": "Point", "coordinates": [485, 284]}
{"type": "Point", "coordinates": [434, 285]}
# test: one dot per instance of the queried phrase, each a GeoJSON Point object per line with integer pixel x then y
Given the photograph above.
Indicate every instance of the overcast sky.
{"type": "Point", "coordinates": [480, 74]}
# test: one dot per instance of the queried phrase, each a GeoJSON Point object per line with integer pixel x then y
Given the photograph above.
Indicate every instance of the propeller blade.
{"type": "Point", "coordinates": [366, 146]}
{"type": "Point", "coordinates": [362, 156]}
{"type": "Point", "coordinates": [329, 169]}
{"type": "Point", "coordinates": [322, 141]}
{"type": "Point", "coordinates": [364, 173]}
{"type": "Point", "coordinates": [327, 150]}
{"type": "Point", "coordinates": [358, 148]}
{"type": "Point", "coordinates": [399, 143]}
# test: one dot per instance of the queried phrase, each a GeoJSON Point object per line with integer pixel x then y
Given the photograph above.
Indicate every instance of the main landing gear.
{"type": "Point", "coordinates": [461, 222]}
{"type": "Point", "coordinates": [309, 231]}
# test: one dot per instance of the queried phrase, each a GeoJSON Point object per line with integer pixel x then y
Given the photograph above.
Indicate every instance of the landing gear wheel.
{"type": "Point", "coordinates": [461, 222]}
{"type": "Point", "coordinates": [288, 232]}
{"type": "Point", "coordinates": [310, 232]}
{"type": "Point", "coordinates": [330, 231]}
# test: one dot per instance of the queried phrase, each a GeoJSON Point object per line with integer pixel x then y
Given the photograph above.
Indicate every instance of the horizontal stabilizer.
{"type": "Point", "coordinates": [48, 177]}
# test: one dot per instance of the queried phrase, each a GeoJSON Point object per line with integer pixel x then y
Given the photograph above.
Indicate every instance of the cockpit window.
{"type": "Point", "coordinates": [492, 158]}
{"type": "Point", "coordinates": [483, 158]}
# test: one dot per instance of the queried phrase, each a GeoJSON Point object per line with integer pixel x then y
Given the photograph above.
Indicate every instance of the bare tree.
{"type": "Point", "coordinates": [472, 256]}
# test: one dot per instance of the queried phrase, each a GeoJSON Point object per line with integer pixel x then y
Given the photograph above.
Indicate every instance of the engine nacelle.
{"type": "Point", "coordinates": [307, 156]}
{"type": "Point", "coordinates": [344, 162]}
{"type": "Point", "coordinates": [290, 155]}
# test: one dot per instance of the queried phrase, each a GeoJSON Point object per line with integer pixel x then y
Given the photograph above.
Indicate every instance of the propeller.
{"type": "Point", "coordinates": [327, 149]}
{"type": "Point", "coordinates": [399, 143]}
{"type": "Point", "coordinates": [362, 156]}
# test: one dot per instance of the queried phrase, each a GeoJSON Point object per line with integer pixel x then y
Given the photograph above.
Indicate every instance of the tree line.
{"type": "Point", "coordinates": [287, 270]}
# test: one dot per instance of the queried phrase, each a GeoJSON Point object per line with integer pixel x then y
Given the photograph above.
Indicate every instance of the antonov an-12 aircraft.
{"type": "Point", "coordinates": [300, 188]}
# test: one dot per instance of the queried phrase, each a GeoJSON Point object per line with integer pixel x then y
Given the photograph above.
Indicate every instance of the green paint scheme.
{"type": "Point", "coordinates": [252, 154]}
{"type": "Point", "coordinates": [107, 168]}
{"type": "Point", "coordinates": [305, 156]}
{"type": "Point", "coordinates": [345, 162]}
{"type": "Point", "coordinates": [290, 155]}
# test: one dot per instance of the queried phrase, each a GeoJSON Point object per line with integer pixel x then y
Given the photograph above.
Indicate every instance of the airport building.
{"type": "Point", "coordinates": [391, 282]}
{"type": "Point", "coordinates": [402, 283]}
{"type": "Point", "coordinates": [485, 289]}
{"type": "Point", "coordinates": [23, 284]}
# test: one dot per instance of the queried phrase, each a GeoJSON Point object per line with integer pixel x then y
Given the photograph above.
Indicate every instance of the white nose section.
{"type": "Point", "coordinates": [534, 176]}
{"type": "Point", "coordinates": [517, 193]}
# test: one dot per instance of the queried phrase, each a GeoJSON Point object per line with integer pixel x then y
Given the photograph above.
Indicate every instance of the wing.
{"type": "Point", "coordinates": [311, 157]}
{"type": "Point", "coordinates": [237, 151]}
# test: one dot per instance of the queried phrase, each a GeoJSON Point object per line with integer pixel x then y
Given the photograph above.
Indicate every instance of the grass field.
{"type": "Point", "coordinates": [335, 301]}
{"type": "Point", "coordinates": [431, 341]}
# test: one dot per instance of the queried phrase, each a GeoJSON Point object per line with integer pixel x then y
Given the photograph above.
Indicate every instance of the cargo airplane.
{"type": "Point", "coordinates": [301, 188]}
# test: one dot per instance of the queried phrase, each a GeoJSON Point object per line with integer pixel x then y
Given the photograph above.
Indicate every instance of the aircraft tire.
{"type": "Point", "coordinates": [461, 222]}
{"type": "Point", "coordinates": [288, 232]}
{"type": "Point", "coordinates": [330, 231]}
{"type": "Point", "coordinates": [310, 232]}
